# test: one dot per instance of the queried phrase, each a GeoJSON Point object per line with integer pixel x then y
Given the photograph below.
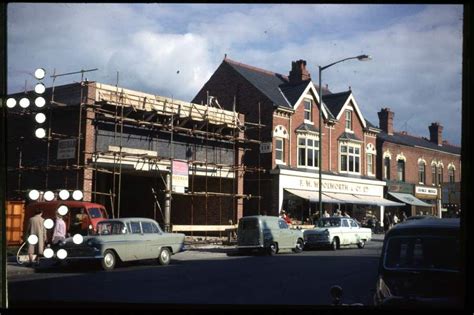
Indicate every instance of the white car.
{"type": "Point", "coordinates": [336, 232]}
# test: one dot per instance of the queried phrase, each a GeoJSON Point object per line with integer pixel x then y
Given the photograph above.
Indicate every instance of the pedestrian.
{"type": "Point", "coordinates": [286, 218]}
{"type": "Point", "coordinates": [395, 218]}
{"type": "Point", "coordinates": [387, 222]}
{"type": "Point", "coordinates": [326, 214]}
{"type": "Point", "coordinates": [36, 227]}
{"type": "Point", "coordinates": [59, 233]}
{"type": "Point", "coordinates": [404, 216]}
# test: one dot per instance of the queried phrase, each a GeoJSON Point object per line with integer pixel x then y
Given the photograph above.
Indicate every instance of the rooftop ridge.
{"type": "Point", "coordinates": [254, 68]}
{"type": "Point", "coordinates": [405, 133]}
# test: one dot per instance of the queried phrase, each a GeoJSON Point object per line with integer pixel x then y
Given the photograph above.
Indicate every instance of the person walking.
{"type": "Point", "coordinates": [404, 216]}
{"type": "Point", "coordinates": [36, 227]}
{"type": "Point", "coordinates": [326, 214]}
{"type": "Point", "coordinates": [387, 222]}
{"type": "Point", "coordinates": [394, 218]}
{"type": "Point", "coordinates": [59, 233]}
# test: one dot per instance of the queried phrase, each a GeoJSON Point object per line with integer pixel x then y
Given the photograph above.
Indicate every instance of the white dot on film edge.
{"type": "Point", "coordinates": [11, 102]}
{"type": "Point", "coordinates": [48, 253]}
{"type": "Point", "coordinates": [48, 224]}
{"type": "Point", "coordinates": [77, 239]}
{"type": "Point", "coordinates": [33, 239]}
{"type": "Point", "coordinates": [62, 210]}
{"type": "Point", "coordinates": [61, 254]}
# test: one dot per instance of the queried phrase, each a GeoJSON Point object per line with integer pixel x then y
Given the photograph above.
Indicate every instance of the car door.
{"type": "Point", "coordinates": [285, 235]}
{"type": "Point", "coordinates": [354, 232]}
{"type": "Point", "coordinates": [345, 232]}
{"type": "Point", "coordinates": [153, 240]}
{"type": "Point", "coordinates": [136, 246]}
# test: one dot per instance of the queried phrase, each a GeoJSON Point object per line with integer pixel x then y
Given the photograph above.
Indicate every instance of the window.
{"type": "Point", "coordinates": [135, 228]}
{"type": "Point", "coordinates": [111, 228]}
{"type": "Point", "coordinates": [433, 174]}
{"type": "Point", "coordinates": [282, 224]}
{"type": "Point", "coordinates": [348, 119]}
{"type": "Point", "coordinates": [440, 175]}
{"type": "Point", "coordinates": [345, 223]}
{"type": "Point", "coordinates": [353, 224]}
{"type": "Point", "coordinates": [94, 213]}
{"type": "Point", "coordinates": [421, 172]}
{"type": "Point", "coordinates": [386, 168]}
{"type": "Point", "coordinates": [279, 150]}
{"type": "Point", "coordinates": [307, 109]}
{"type": "Point", "coordinates": [370, 163]}
{"type": "Point", "coordinates": [308, 152]}
{"type": "Point", "coordinates": [149, 227]}
{"type": "Point", "coordinates": [451, 174]}
{"type": "Point", "coordinates": [350, 158]}
{"type": "Point", "coordinates": [401, 170]}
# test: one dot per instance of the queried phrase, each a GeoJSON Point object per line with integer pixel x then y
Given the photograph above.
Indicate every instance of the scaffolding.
{"type": "Point", "coordinates": [124, 108]}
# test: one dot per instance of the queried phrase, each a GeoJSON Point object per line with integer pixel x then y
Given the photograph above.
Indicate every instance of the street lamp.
{"type": "Point", "coordinates": [360, 58]}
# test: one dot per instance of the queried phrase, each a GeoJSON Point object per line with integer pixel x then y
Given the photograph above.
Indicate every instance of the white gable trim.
{"type": "Point", "coordinates": [309, 88]}
{"type": "Point", "coordinates": [346, 106]}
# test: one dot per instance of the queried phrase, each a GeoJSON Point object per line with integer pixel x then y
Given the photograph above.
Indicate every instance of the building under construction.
{"type": "Point", "coordinates": [122, 148]}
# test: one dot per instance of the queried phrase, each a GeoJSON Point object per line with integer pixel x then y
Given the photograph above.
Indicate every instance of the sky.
{"type": "Point", "coordinates": [173, 49]}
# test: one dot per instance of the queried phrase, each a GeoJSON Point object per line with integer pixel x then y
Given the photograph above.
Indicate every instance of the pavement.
{"type": "Point", "coordinates": [196, 244]}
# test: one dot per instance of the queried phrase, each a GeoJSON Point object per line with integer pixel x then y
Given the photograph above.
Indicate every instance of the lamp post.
{"type": "Point", "coordinates": [360, 58]}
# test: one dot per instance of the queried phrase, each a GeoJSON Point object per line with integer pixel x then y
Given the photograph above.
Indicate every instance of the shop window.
{"type": "Point", "coordinates": [349, 158]}
{"type": "Point", "coordinates": [279, 150]}
{"type": "Point", "coordinates": [308, 110]}
{"type": "Point", "coordinates": [386, 168]}
{"type": "Point", "coordinates": [401, 170]}
{"type": "Point", "coordinates": [451, 174]}
{"type": "Point", "coordinates": [421, 172]}
{"type": "Point", "coordinates": [308, 152]}
{"type": "Point", "coordinates": [348, 120]}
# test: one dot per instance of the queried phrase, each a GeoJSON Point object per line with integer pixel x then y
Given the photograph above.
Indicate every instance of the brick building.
{"type": "Point", "coordinates": [121, 143]}
{"type": "Point", "coordinates": [424, 173]}
{"type": "Point", "coordinates": [285, 111]}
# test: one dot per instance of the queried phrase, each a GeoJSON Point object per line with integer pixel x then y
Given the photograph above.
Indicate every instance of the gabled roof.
{"type": "Point", "coordinates": [336, 101]}
{"type": "Point", "coordinates": [413, 141]}
{"type": "Point", "coordinates": [273, 85]}
{"type": "Point", "coordinates": [348, 136]}
{"type": "Point", "coordinates": [307, 128]}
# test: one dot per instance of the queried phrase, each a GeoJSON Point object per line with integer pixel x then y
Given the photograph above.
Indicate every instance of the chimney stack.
{"type": "Point", "coordinates": [386, 120]}
{"type": "Point", "coordinates": [436, 133]}
{"type": "Point", "coordinates": [298, 72]}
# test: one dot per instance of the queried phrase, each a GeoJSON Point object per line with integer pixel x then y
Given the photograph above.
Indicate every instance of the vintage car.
{"type": "Point", "coordinates": [336, 232]}
{"type": "Point", "coordinates": [420, 265]}
{"type": "Point", "coordinates": [125, 239]}
{"type": "Point", "coordinates": [267, 234]}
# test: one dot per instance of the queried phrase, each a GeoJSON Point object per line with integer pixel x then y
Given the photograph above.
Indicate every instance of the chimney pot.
{"type": "Point", "coordinates": [299, 72]}
{"type": "Point", "coordinates": [386, 120]}
{"type": "Point", "coordinates": [436, 133]}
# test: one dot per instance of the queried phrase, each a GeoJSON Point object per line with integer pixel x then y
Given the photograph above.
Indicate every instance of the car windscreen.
{"type": "Point", "coordinates": [94, 213]}
{"type": "Point", "coordinates": [111, 228]}
{"type": "Point", "coordinates": [329, 222]}
{"type": "Point", "coordinates": [426, 252]}
{"type": "Point", "coordinates": [249, 224]}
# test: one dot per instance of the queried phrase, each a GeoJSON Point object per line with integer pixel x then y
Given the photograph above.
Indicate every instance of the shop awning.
{"type": "Point", "coordinates": [311, 195]}
{"type": "Point", "coordinates": [410, 199]}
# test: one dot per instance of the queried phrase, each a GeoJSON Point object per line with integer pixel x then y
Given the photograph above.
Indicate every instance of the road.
{"type": "Point", "coordinates": [209, 276]}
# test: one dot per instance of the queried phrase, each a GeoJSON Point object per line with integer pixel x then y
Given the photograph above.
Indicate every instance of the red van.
{"type": "Point", "coordinates": [91, 214]}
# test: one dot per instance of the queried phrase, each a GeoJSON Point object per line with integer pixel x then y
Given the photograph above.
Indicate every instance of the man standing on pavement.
{"type": "Point", "coordinates": [36, 227]}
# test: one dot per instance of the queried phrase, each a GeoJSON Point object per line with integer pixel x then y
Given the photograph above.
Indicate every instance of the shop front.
{"type": "Point", "coordinates": [298, 195]}
{"type": "Point", "coordinates": [431, 196]}
{"type": "Point", "coordinates": [450, 200]}
{"type": "Point", "coordinates": [404, 192]}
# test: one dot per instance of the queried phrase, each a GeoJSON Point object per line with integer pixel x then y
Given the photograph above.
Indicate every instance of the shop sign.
{"type": "Point", "coordinates": [180, 176]}
{"type": "Point", "coordinates": [399, 187]}
{"type": "Point", "coordinates": [339, 187]}
{"type": "Point", "coordinates": [265, 147]}
{"type": "Point", "coordinates": [426, 192]}
{"type": "Point", "coordinates": [66, 149]}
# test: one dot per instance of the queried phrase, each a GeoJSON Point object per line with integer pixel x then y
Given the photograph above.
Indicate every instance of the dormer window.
{"type": "Point", "coordinates": [308, 110]}
{"type": "Point", "coordinates": [348, 120]}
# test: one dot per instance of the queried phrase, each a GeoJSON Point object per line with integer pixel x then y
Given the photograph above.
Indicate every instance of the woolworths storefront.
{"type": "Point", "coordinates": [298, 194]}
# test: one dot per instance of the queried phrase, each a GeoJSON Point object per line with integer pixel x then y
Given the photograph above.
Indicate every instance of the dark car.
{"type": "Point", "coordinates": [420, 265]}
{"type": "Point", "coordinates": [419, 217]}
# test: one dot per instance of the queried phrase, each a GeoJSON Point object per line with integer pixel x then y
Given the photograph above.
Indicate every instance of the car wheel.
{"type": "Point", "coordinates": [334, 244]}
{"type": "Point", "coordinates": [272, 249]}
{"type": "Point", "coordinates": [361, 244]}
{"type": "Point", "coordinates": [299, 246]}
{"type": "Point", "coordinates": [109, 260]}
{"type": "Point", "coordinates": [165, 257]}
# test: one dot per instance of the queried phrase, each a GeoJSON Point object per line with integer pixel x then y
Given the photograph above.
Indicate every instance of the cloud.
{"type": "Point", "coordinates": [417, 50]}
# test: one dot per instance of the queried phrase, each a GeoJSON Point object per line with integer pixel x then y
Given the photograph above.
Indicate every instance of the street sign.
{"type": "Point", "coordinates": [265, 147]}
{"type": "Point", "coordinates": [66, 149]}
{"type": "Point", "coordinates": [180, 176]}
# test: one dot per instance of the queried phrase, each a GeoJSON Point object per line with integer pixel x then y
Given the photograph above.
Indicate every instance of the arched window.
{"type": "Point", "coordinates": [451, 174]}
{"type": "Point", "coordinates": [421, 172]}
{"type": "Point", "coordinates": [401, 170]}
{"type": "Point", "coordinates": [440, 174]}
{"type": "Point", "coordinates": [386, 168]}
{"type": "Point", "coordinates": [433, 174]}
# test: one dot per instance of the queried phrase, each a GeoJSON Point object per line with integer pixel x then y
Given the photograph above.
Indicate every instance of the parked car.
{"type": "Point", "coordinates": [336, 232]}
{"type": "Point", "coordinates": [126, 239]}
{"type": "Point", "coordinates": [267, 234]}
{"type": "Point", "coordinates": [81, 217]}
{"type": "Point", "coordinates": [419, 217]}
{"type": "Point", "coordinates": [420, 265]}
